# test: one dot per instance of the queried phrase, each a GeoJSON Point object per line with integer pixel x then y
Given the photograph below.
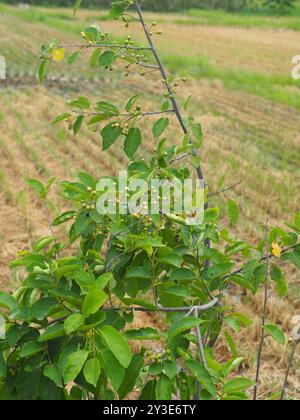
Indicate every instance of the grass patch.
{"type": "Point", "coordinates": [277, 88]}
{"type": "Point", "coordinates": [244, 20]}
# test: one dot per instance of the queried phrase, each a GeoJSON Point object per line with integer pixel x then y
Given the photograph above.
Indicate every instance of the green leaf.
{"type": "Point", "coordinates": [107, 108]}
{"type": "Point", "coordinates": [197, 132]}
{"type": "Point", "coordinates": [293, 257]}
{"type": "Point", "coordinates": [113, 369]}
{"type": "Point", "coordinates": [93, 301]}
{"type": "Point", "coordinates": [63, 218]}
{"type": "Point", "coordinates": [237, 385]}
{"type": "Point", "coordinates": [110, 135]}
{"type": "Point", "coordinates": [77, 125]}
{"type": "Point", "coordinates": [187, 103]}
{"type": "Point", "coordinates": [91, 371]}
{"type": "Point", "coordinates": [43, 243]}
{"type": "Point", "coordinates": [231, 366]}
{"type": "Point", "coordinates": [165, 106]}
{"type": "Point", "coordinates": [66, 270]}
{"type": "Point", "coordinates": [131, 376]}
{"type": "Point", "coordinates": [61, 118]}
{"type": "Point", "coordinates": [117, 10]}
{"type": "Point", "coordinates": [242, 319]}
{"type": "Point", "coordinates": [160, 126]}
{"type": "Point", "coordinates": [278, 277]}
{"type": "Point", "coordinates": [170, 369]}
{"type": "Point", "coordinates": [297, 220]}
{"type": "Point", "coordinates": [202, 376]}
{"type": "Point", "coordinates": [91, 33]}
{"type": "Point", "coordinates": [164, 389]}
{"type": "Point", "coordinates": [142, 334]}
{"type": "Point", "coordinates": [96, 119]}
{"type": "Point", "coordinates": [73, 323]}
{"type": "Point", "coordinates": [219, 270]}
{"type": "Point", "coordinates": [233, 323]}
{"type": "Point", "coordinates": [132, 101]}
{"type": "Point", "coordinates": [42, 71]}
{"type": "Point", "coordinates": [95, 57]}
{"type": "Point", "coordinates": [3, 368]}
{"type": "Point", "coordinates": [82, 103]}
{"type": "Point", "coordinates": [53, 372]}
{"type": "Point", "coordinates": [73, 57]}
{"type": "Point", "coordinates": [43, 307]}
{"type": "Point", "coordinates": [139, 273]}
{"type": "Point", "coordinates": [38, 187]}
{"type": "Point", "coordinates": [183, 325]}
{"type": "Point", "coordinates": [132, 142]}
{"type": "Point", "coordinates": [74, 365]}
{"type": "Point", "coordinates": [148, 392]}
{"type": "Point", "coordinates": [173, 259]}
{"type": "Point", "coordinates": [275, 333]}
{"type": "Point", "coordinates": [103, 280]}
{"type": "Point", "coordinates": [7, 301]}
{"type": "Point", "coordinates": [181, 274]}
{"type": "Point", "coordinates": [52, 332]}
{"type": "Point", "coordinates": [76, 6]}
{"type": "Point", "coordinates": [231, 344]}
{"type": "Point", "coordinates": [117, 344]}
{"type": "Point", "coordinates": [233, 212]}
{"type": "Point", "coordinates": [107, 59]}
{"type": "Point", "coordinates": [31, 349]}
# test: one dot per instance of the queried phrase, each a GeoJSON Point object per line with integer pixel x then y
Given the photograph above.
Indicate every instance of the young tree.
{"type": "Point", "coordinates": [67, 328]}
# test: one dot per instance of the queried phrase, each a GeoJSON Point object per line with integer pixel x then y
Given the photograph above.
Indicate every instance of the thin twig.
{"type": "Point", "coordinates": [290, 363]}
{"type": "Point", "coordinates": [264, 258]}
{"type": "Point", "coordinates": [178, 158]}
{"type": "Point", "coordinates": [226, 189]}
{"type": "Point", "coordinates": [147, 66]}
{"type": "Point", "coordinates": [200, 342]}
{"type": "Point", "coordinates": [143, 114]}
{"type": "Point", "coordinates": [264, 316]}
{"type": "Point", "coordinates": [125, 47]}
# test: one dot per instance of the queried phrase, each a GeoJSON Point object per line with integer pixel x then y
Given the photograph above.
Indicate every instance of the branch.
{"type": "Point", "coordinates": [125, 47]}
{"type": "Point", "coordinates": [265, 258]}
{"type": "Point", "coordinates": [291, 360]}
{"type": "Point", "coordinates": [264, 317]}
{"type": "Point", "coordinates": [165, 77]}
{"type": "Point", "coordinates": [226, 189]}
{"type": "Point", "coordinates": [147, 66]}
{"type": "Point", "coordinates": [188, 309]}
{"type": "Point", "coordinates": [127, 115]}
{"type": "Point", "coordinates": [200, 342]}
{"type": "Point", "coordinates": [178, 158]}
{"type": "Point", "coordinates": [198, 308]}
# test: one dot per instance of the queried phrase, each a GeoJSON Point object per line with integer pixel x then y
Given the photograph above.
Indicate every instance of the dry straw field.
{"type": "Point", "coordinates": [242, 93]}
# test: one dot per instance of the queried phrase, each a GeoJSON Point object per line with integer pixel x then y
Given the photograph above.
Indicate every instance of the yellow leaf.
{"type": "Point", "coordinates": [276, 249]}
{"type": "Point", "coordinates": [58, 54]}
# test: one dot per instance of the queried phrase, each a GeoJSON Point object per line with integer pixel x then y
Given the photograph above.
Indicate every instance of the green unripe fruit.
{"type": "Point", "coordinates": [99, 269]}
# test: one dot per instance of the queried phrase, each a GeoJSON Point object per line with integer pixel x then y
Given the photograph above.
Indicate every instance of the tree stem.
{"type": "Point", "coordinates": [264, 316]}
{"type": "Point", "coordinates": [165, 77]}
{"type": "Point", "coordinates": [290, 363]}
